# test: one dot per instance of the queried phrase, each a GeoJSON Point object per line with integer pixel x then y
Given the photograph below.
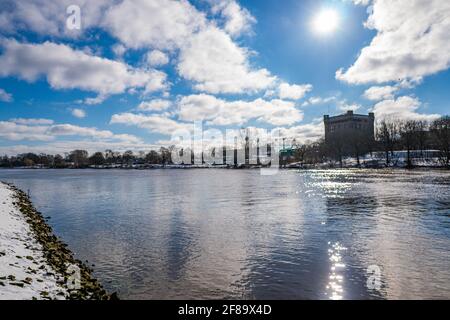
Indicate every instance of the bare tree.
{"type": "Point", "coordinates": [128, 157]}
{"type": "Point", "coordinates": [153, 157]}
{"type": "Point", "coordinates": [336, 147]}
{"type": "Point", "coordinates": [359, 145]}
{"type": "Point", "coordinates": [112, 156]}
{"type": "Point", "coordinates": [79, 158]}
{"type": "Point", "coordinates": [166, 156]}
{"type": "Point", "coordinates": [97, 159]}
{"type": "Point", "coordinates": [300, 152]}
{"type": "Point", "coordinates": [59, 161]}
{"type": "Point", "coordinates": [387, 135]}
{"type": "Point", "coordinates": [422, 135]}
{"type": "Point", "coordinates": [408, 134]}
{"type": "Point", "coordinates": [441, 132]}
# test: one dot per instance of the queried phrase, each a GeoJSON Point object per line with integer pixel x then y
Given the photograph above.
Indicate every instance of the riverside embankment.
{"type": "Point", "coordinates": [34, 263]}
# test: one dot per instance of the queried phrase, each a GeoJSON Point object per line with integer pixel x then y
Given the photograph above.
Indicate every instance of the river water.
{"type": "Point", "coordinates": [210, 234]}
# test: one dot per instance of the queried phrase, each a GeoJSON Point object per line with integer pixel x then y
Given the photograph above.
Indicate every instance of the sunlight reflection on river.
{"type": "Point", "coordinates": [335, 286]}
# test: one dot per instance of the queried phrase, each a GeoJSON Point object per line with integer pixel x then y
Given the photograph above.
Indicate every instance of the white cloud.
{"type": "Point", "coordinates": [217, 65]}
{"type": "Point", "coordinates": [10, 130]}
{"type": "Point", "coordinates": [294, 92]}
{"type": "Point", "coordinates": [318, 100]}
{"type": "Point", "coordinates": [343, 105]}
{"type": "Point", "coordinates": [154, 105]}
{"type": "Point", "coordinates": [78, 113]}
{"type": "Point", "coordinates": [380, 93]}
{"type": "Point", "coordinates": [66, 68]}
{"type": "Point", "coordinates": [304, 133]}
{"type": "Point", "coordinates": [48, 17]}
{"type": "Point", "coordinates": [207, 55]}
{"type": "Point", "coordinates": [401, 108]}
{"type": "Point", "coordinates": [211, 110]}
{"type": "Point", "coordinates": [409, 83]}
{"type": "Point", "coordinates": [161, 24]}
{"type": "Point", "coordinates": [238, 20]}
{"type": "Point", "coordinates": [156, 58]}
{"type": "Point", "coordinates": [153, 123]}
{"type": "Point", "coordinates": [62, 147]}
{"type": "Point", "coordinates": [221, 112]}
{"type": "Point", "coordinates": [411, 42]}
{"type": "Point", "coordinates": [72, 130]}
{"type": "Point", "coordinates": [119, 49]}
{"type": "Point", "coordinates": [31, 121]}
{"type": "Point", "coordinates": [360, 2]}
{"type": "Point", "coordinates": [46, 130]}
{"type": "Point", "coordinates": [95, 100]}
{"type": "Point", "coordinates": [5, 96]}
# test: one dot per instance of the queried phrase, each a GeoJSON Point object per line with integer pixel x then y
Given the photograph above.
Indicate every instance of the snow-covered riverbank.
{"type": "Point", "coordinates": [34, 264]}
{"type": "Point", "coordinates": [24, 272]}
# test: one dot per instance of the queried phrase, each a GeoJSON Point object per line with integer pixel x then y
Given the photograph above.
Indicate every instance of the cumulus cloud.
{"type": "Point", "coordinates": [48, 17]}
{"type": "Point", "coordinates": [61, 147]}
{"type": "Point", "coordinates": [66, 68]}
{"type": "Point", "coordinates": [401, 108]}
{"type": "Point", "coordinates": [221, 112]}
{"type": "Point", "coordinates": [10, 130]}
{"type": "Point", "coordinates": [380, 93]}
{"type": "Point", "coordinates": [161, 24]}
{"type": "Point", "coordinates": [360, 2]}
{"type": "Point", "coordinates": [153, 123]}
{"type": "Point", "coordinates": [119, 49]}
{"type": "Point", "coordinates": [212, 110]}
{"type": "Point", "coordinates": [208, 56]}
{"type": "Point", "coordinates": [5, 96]}
{"type": "Point", "coordinates": [294, 92]}
{"type": "Point", "coordinates": [411, 42]}
{"type": "Point", "coordinates": [78, 113]}
{"type": "Point", "coordinates": [46, 130]}
{"type": "Point", "coordinates": [343, 105]}
{"type": "Point", "coordinates": [95, 100]}
{"type": "Point", "coordinates": [304, 133]}
{"type": "Point", "coordinates": [237, 20]}
{"type": "Point", "coordinates": [154, 105]}
{"type": "Point", "coordinates": [32, 121]}
{"type": "Point", "coordinates": [156, 58]}
{"type": "Point", "coordinates": [217, 65]}
{"type": "Point", "coordinates": [318, 100]}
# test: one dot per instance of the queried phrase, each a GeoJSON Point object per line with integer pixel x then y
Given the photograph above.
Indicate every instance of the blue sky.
{"type": "Point", "coordinates": [137, 71]}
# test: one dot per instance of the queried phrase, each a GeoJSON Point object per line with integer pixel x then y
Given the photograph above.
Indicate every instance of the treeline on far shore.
{"type": "Point", "coordinates": [413, 139]}
{"type": "Point", "coordinates": [82, 159]}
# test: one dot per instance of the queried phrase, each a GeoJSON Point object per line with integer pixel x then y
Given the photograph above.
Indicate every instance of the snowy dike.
{"type": "Point", "coordinates": [34, 263]}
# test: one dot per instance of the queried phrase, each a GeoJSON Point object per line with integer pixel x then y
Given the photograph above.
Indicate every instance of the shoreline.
{"type": "Point", "coordinates": [34, 263]}
{"type": "Point", "coordinates": [414, 168]}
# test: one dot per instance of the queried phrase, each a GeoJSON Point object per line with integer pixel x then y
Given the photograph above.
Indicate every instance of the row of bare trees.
{"type": "Point", "coordinates": [82, 159]}
{"type": "Point", "coordinates": [414, 135]}
{"type": "Point", "coordinates": [391, 135]}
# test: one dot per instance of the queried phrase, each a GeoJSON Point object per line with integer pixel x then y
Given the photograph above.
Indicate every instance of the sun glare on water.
{"type": "Point", "coordinates": [326, 21]}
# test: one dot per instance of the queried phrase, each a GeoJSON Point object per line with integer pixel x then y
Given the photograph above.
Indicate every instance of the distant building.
{"type": "Point", "coordinates": [349, 125]}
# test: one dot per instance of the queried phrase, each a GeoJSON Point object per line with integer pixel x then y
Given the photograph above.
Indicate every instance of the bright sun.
{"type": "Point", "coordinates": [326, 21]}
